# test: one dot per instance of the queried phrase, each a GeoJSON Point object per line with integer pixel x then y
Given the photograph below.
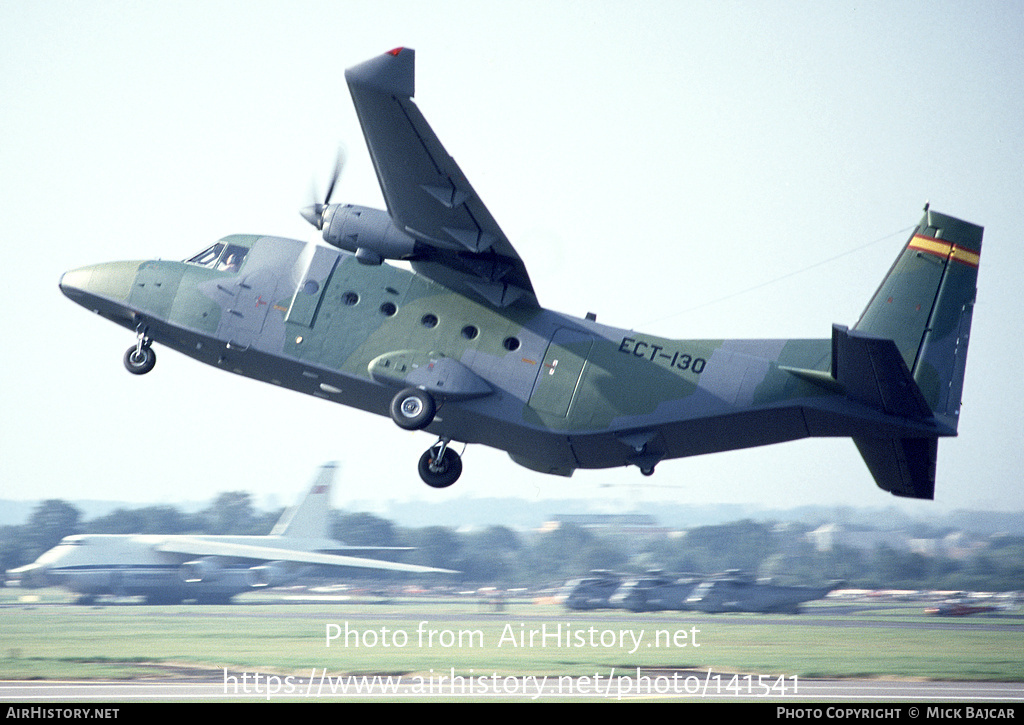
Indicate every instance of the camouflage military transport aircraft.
{"type": "Point", "coordinates": [460, 346]}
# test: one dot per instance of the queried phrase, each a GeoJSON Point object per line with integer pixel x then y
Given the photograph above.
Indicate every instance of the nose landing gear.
{"type": "Point", "coordinates": [139, 359]}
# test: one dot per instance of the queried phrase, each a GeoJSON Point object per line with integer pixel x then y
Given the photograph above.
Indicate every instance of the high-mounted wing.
{"type": "Point", "coordinates": [197, 546]}
{"type": "Point", "coordinates": [428, 197]}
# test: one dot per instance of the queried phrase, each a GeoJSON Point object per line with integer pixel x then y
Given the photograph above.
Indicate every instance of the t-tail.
{"type": "Point", "coordinates": [924, 306]}
{"type": "Point", "coordinates": [308, 519]}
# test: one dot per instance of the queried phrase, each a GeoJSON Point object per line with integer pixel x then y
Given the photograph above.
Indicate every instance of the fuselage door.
{"type": "Point", "coordinates": [244, 317]}
{"type": "Point", "coordinates": [560, 373]}
{"type": "Point", "coordinates": [314, 267]}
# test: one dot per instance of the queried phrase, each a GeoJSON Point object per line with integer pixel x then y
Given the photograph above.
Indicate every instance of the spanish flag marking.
{"type": "Point", "coordinates": [940, 248]}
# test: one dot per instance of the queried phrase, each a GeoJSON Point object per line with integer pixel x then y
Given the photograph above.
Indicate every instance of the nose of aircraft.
{"type": "Point", "coordinates": [30, 576]}
{"type": "Point", "coordinates": [110, 281]}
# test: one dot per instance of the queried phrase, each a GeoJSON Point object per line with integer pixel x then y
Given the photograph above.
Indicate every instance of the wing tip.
{"type": "Point", "coordinates": [393, 72]}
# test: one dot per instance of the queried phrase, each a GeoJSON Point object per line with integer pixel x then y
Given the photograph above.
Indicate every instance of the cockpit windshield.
{"type": "Point", "coordinates": [221, 256]}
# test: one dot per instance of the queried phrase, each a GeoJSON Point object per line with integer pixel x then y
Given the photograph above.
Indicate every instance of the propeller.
{"type": "Point", "coordinates": [314, 213]}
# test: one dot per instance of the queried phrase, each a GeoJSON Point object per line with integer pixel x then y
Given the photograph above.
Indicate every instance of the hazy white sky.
{"type": "Point", "coordinates": [653, 162]}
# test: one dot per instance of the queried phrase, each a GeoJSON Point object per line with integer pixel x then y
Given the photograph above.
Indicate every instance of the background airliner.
{"type": "Point", "coordinates": [169, 569]}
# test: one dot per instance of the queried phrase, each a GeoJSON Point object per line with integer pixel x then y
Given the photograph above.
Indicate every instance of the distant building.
{"type": "Point", "coordinates": [957, 545]}
{"type": "Point", "coordinates": [830, 536]}
{"type": "Point", "coordinates": [644, 524]}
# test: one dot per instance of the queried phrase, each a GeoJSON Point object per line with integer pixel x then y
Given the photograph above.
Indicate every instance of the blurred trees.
{"type": "Point", "coordinates": [51, 521]}
{"type": "Point", "coordinates": [148, 520]}
{"type": "Point", "coordinates": [363, 529]}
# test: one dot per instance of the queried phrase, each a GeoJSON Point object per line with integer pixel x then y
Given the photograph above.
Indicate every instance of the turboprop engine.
{"type": "Point", "coordinates": [369, 233]}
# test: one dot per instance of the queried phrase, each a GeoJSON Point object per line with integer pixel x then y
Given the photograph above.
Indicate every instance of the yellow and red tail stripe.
{"type": "Point", "coordinates": [944, 249]}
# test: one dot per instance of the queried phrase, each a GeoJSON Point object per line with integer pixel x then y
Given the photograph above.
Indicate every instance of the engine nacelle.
{"type": "Point", "coordinates": [369, 233]}
{"type": "Point", "coordinates": [200, 570]}
{"type": "Point", "coordinates": [271, 574]}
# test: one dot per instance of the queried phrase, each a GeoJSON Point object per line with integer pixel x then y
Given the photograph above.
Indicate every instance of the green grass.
{"type": "Point", "coordinates": [134, 641]}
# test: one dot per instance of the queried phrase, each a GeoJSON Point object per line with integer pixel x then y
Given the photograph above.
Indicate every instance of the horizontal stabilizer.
{"type": "Point", "coordinates": [901, 466]}
{"type": "Point", "coordinates": [870, 370]}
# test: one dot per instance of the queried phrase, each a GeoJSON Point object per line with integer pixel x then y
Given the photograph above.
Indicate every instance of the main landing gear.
{"type": "Point", "coordinates": [414, 409]}
{"type": "Point", "coordinates": [440, 466]}
{"type": "Point", "coordinates": [139, 359]}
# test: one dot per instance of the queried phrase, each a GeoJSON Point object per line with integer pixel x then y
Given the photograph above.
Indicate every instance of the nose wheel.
{"type": "Point", "coordinates": [139, 359]}
{"type": "Point", "coordinates": [440, 466]}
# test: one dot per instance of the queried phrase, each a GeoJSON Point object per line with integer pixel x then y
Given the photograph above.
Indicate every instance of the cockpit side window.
{"type": "Point", "coordinates": [232, 259]}
{"type": "Point", "coordinates": [222, 257]}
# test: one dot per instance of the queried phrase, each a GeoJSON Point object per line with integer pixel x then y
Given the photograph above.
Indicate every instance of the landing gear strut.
{"type": "Point", "coordinates": [440, 466]}
{"type": "Point", "coordinates": [139, 359]}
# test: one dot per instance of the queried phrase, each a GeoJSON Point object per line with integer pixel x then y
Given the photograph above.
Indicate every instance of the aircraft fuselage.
{"type": "Point", "coordinates": [556, 392]}
{"type": "Point", "coordinates": [132, 565]}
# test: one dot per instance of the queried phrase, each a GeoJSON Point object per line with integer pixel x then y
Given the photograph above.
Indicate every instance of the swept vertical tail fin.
{"type": "Point", "coordinates": [308, 519]}
{"type": "Point", "coordinates": [924, 305]}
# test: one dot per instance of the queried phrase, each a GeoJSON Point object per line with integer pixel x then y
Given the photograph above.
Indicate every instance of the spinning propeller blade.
{"type": "Point", "coordinates": [314, 213]}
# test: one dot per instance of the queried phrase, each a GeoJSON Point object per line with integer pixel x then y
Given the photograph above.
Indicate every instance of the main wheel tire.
{"type": "Point", "coordinates": [443, 473]}
{"type": "Point", "coordinates": [139, 362]}
{"type": "Point", "coordinates": [413, 409]}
